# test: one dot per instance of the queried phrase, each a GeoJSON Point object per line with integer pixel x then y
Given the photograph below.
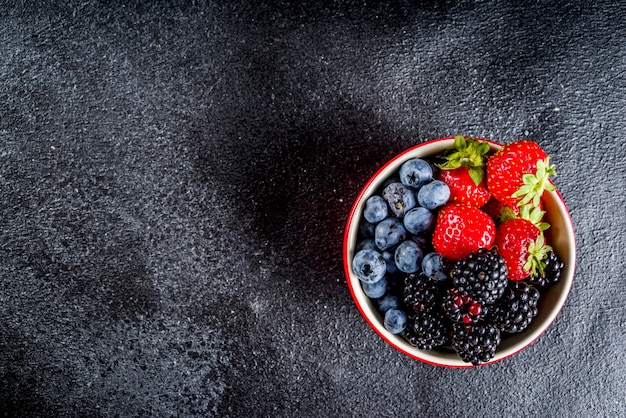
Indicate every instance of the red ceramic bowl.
{"type": "Point", "coordinates": [560, 236]}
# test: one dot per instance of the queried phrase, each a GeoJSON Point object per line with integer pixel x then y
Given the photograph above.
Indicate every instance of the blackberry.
{"type": "Point", "coordinates": [482, 275]}
{"type": "Point", "coordinates": [475, 343]}
{"type": "Point", "coordinates": [461, 308]}
{"type": "Point", "coordinates": [427, 330]}
{"type": "Point", "coordinates": [551, 272]}
{"type": "Point", "coordinates": [420, 293]}
{"type": "Point", "coordinates": [517, 308]}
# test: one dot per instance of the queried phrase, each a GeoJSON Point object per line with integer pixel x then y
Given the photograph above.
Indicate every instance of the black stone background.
{"type": "Point", "coordinates": [176, 177]}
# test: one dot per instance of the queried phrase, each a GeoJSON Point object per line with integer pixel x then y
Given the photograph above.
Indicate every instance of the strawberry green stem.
{"type": "Point", "coordinates": [536, 184]}
{"type": "Point", "coordinates": [467, 152]}
{"type": "Point", "coordinates": [537, 252]}
{"type": "Point", "coordinates": [534, 214]}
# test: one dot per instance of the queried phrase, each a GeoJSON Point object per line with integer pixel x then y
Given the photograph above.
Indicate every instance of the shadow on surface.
{"type": "Point", "coordinates": [297, 185]}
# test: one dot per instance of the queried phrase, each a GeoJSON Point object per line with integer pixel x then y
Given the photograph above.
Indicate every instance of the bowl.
{"type": "Point", "coordinates": [560, 236]}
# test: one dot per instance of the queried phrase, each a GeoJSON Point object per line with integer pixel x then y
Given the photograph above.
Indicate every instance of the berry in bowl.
{"type": "Point", "coordinates": [460, 251]}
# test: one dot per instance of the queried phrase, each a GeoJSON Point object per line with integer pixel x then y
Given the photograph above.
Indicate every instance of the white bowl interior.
{"type": "Point", "coordinates": [560, 236]}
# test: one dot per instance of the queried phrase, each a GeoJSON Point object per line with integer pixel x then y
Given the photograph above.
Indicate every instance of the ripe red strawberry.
{"type": "Point", "coordinates": [461, 230]}
{"type": "Point", "coordinates": [463, 171]}
{"type": "Point", "coordinates": [521, 244]}
{"type": "Point", "coordinates": [519, 173]}
{"type": "Point", "coordinates": [463, 189]}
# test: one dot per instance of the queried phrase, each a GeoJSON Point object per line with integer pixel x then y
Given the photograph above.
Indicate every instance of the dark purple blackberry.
{"type": "Point", "coordinates": [420, 293]}
{"type": "Point", "coordinates": [475, 344]}
{"type": "Point", "coordinates": [482, 275]}
{"type": "Point", "coordinates": [427, 330]}
{"type": "Point", "coordinates": [517, 308]}
{"type": "Point", "coordinates": [461, 308]}
{"type": "Point", "coordinates": [551, 272]}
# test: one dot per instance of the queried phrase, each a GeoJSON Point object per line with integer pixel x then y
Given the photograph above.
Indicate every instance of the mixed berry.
{"type": "Point", "coordinates": [452, 248]}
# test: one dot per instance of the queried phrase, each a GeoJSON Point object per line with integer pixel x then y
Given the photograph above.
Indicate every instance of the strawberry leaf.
{"type": "Point", "coordinates": [535, 184]}
{"type": "Point", "coordinates": [506, 213]}
{"type": "Point", "coordinates": [530, 179]}
{"type": "Point", "coordinates": [483, 148]}
{"type": "Point", "coordinates": [537, 253]}
{"type": "Point", "coordinates": [450, 165]}
{"type": "Point", "coordinates": [476, 174]}
{"type": "Point", "coordinates": [524, 212]}
{"type": "Point", "coordinates": [460, 143]}
{"type": "Point", "coordinates": [534, 214]}
{"type": "Point", "coordinates": [543, 226]}
{"type": "Point", "coordinates": [541, 169]}
{"type": "Point", "coordinates": [467, 152]}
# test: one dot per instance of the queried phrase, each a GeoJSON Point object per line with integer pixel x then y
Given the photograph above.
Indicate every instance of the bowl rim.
{"type": "Point", "coordinates": [424, 357]}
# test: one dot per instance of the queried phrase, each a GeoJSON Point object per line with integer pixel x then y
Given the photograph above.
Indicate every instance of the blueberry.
{"type": "Point", "coordinates": [376, 209]}
{"type": "Point", "coordinates": [388, 302]}
{"type": "Point", "coordinates": [408, 257]}
{"type": "Point", "coordinates": [389, 233]}
{"type": "Point", "coordinates": [395, 321]}
{"type": "Point", "coordinates": [434, 194]}
{"type": "Point", "coordinates": [390, 262]}
{"type": "Point", "coordinates": [376, 289]}
{"type": "Point", "coordinates": [419, 220]}
{"type": "Point", "coordinates": [400, 198]}
{"type": "Point", "coordinates": [366, 244]}
{"type": "Point", "coordinates": [415, 173]}
{"type": "Point", "coordinates": [433, 266]}
{"type": "Point", "coordinates": [369, 266]}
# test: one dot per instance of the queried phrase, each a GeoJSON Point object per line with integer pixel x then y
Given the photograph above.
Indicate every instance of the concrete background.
{"type": "Point", "coordinates": [175, 179]}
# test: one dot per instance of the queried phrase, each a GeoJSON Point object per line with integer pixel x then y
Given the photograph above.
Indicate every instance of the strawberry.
{"type": "Point", "coordinates": [463, 171]}
{"type": "Point", "coordinates": [520, 241]}
{"type": "Point", "coordinates": [463, 189]}
{"type": "Point", "coordinates": [499, 211]}
{"type": "Point", "coordinates": [461, 230]}
{"type": "Point", "coordinates": [519, 173]}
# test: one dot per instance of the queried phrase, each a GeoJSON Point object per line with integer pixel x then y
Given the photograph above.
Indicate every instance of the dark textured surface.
{"type": "Point", "coordinates": [175, 179]}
